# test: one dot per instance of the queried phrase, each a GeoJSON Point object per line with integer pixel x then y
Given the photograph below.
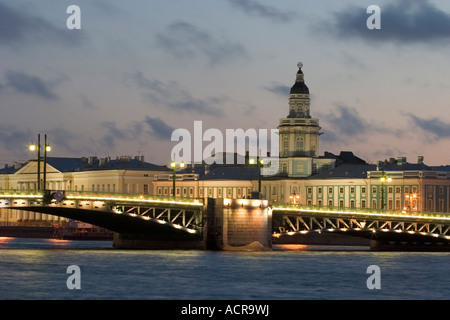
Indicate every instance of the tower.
{"type": "Point", "coordinates": [298, 133]}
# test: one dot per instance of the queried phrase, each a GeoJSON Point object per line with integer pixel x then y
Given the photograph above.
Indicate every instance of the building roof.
{"type": "Point", "coordinates": [356, 171]}
{"type": "Point", "coordinates": [231, 173]}
{"type": "Point", "coordinates": [64, 164]}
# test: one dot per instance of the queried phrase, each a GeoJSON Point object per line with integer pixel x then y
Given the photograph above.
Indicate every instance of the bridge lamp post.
{"type": "Point", "coordinates": [294, 197]}
{"type": "Point", "coordinates": [260, 163]}
{"type": "Point", "coordinates": [37, 147]}
{"type": "Point", "coordinates": [383, 179]}
{"type": "Point", "coordinates": [47, 148]}
{"type": "Point", "coordinates": [411, 197]}
{"type": "Point", "coordinates": [173, 164]}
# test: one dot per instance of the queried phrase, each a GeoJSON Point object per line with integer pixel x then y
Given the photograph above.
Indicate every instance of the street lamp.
{"type": "Point", "coordinates": [260, 162]}
{"type": "Point", "coordinates": [173, 164]}
{"type": "Point", "coordinates": [37, 147]}
{"type": "Point", "coordinates": [383, 179]}
{"type": "Point", "coordinates": [47, 148]}
{"type": "Point", "coordinates": [294, 197]}
{"type": "Point", "coordinates": [410, 197]}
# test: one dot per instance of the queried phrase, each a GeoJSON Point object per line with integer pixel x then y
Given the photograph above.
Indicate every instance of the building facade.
{"type": "Point", "coordinates": [87, 174]}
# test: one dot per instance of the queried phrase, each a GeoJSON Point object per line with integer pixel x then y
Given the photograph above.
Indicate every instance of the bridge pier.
{"type": "Point", "coordinates": [229, 225]}
{"type": "Point", "coordinates": [239, 225]}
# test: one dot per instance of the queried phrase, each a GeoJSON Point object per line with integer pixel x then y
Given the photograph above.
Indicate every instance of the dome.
{"type": "Point", "coordinates": [299, 86]}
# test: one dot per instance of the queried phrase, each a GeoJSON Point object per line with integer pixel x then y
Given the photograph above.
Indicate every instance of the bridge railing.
{"type": "Point", "coordinates": [131, 197]}
{"type": "Point", "coordinates": [13, 193]}
{"type": "Point", "coordinates": [349, 210]}
{"type": "Point", "coordinates": [17, 193]}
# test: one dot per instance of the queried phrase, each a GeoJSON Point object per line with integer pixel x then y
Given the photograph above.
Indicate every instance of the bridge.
{"type": "Point", "coordinates": [388, 229]}
{"type": "Point", "coordinates": [183, 222]}
{"type": "Point", "coordinates": [129, 215]}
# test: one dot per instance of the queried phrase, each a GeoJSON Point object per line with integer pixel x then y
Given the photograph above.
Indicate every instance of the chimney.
{"type": "Point", "coordinates": [401, 160]}
{"type": "Point", "coordinates": [420, 160]}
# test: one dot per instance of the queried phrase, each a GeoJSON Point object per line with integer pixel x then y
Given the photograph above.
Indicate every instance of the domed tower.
{"type": "Point", "coordinates": [299, 101]}
{"type": "Point", "coordinates": [298, 133]}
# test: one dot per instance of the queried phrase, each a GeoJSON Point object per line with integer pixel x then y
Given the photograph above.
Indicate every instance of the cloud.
{"type": "Point", "coordinates": [15, 139]}
{"type": "Point", "coordinates": [436, 127]}
{"type": "Point", "coordinates": [347, 121]}
{"type": "Point", "coordinates": [17, 26]}
{"type": "Point", "coordinates": [404, 21]}
{"type": "Point", "coordinates": [159, 128]}
{"type": "Point", "coordinates": [255, 8]}
{"type": "Point", "coordinates": [132, 132]}
{"type": "Point", "coordinates": [28, 84]}
{"type": "Point", "coordinates": [174, 97]}
{"type": "Point", "coordinates": [279, 89]}
{"type": "Point", "coordinates": [186, 41]}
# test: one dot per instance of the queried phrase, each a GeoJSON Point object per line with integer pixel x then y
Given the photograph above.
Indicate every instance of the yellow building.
{"type": "Point", "coordinates": [121, 175]}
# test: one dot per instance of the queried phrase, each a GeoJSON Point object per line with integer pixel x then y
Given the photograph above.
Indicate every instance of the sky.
{"type": "Point", "coordinates": [137, 70]}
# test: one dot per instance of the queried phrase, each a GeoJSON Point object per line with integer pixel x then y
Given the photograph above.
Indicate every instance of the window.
{"type": "Point", "coordinates": [319, 202]}
{"type": "Point", "coordinates": [363, 190]}
{"type": "Point", "coordinates": [210, 192]}
{"type": "Point", "coordinates": [229, 192]}
{"type": "Point", "coordinates": [397, 204]}
{"type": "Point", "coordinates": [390, 204]}
{"type": "Point", "coordinates": [160, 191]}
{"type": "Point", "coordinates": [363, 203]}
{"type": "Point", "coordinates": [397, 189]}
{"type": "Point", "coordinates": [165, 191]}
{"type": "Point", "coordinates": [352, 190]}
{"type": "Point", "coordinates": [239, 192]}
{"type": "Point", "coordinates": [200, 191]}
{"type": "Point", "coordinates": [319, 190]}
{"type": "Point", "coordinates": [374, 189]}
{"type": "Point", "coordinates": [298, 143]}
{"type": "Point", "coordinates": [341, 190]}
{"type": "Point", "coordinates": [145, 188]}
{"type": "Point", "coordinates": [352, 203]}
{"type": "Point", "coordinates": [330, 190]}
{"type": "Point", "coordinates": [309, 190]}
{"type": "Point", "coordinates": [390, 189]}
{"type": "Point", "coordinates": [330, 203]}
{"type": "Point", "coordinates": [285, 144]}
{"type": "Point", "coordinates": [184, 192]}
{"type": "Point", "coordinates": [178, 191]}
{"type": "Point", "coordinates": [191, 192]}
{"type": "Point", "coordinates": [341, 203]}
{"type": "Point", "coordinates": [374, 204]}
{"type": "Point", "coordinates": [219, 192]}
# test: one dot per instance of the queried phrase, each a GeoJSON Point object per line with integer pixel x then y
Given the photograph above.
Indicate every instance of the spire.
{"type": "Point", "coordinates": [299, 87]}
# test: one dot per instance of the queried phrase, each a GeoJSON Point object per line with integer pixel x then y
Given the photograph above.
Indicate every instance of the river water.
{"type": "Point", "coordinates": [38, 269]}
